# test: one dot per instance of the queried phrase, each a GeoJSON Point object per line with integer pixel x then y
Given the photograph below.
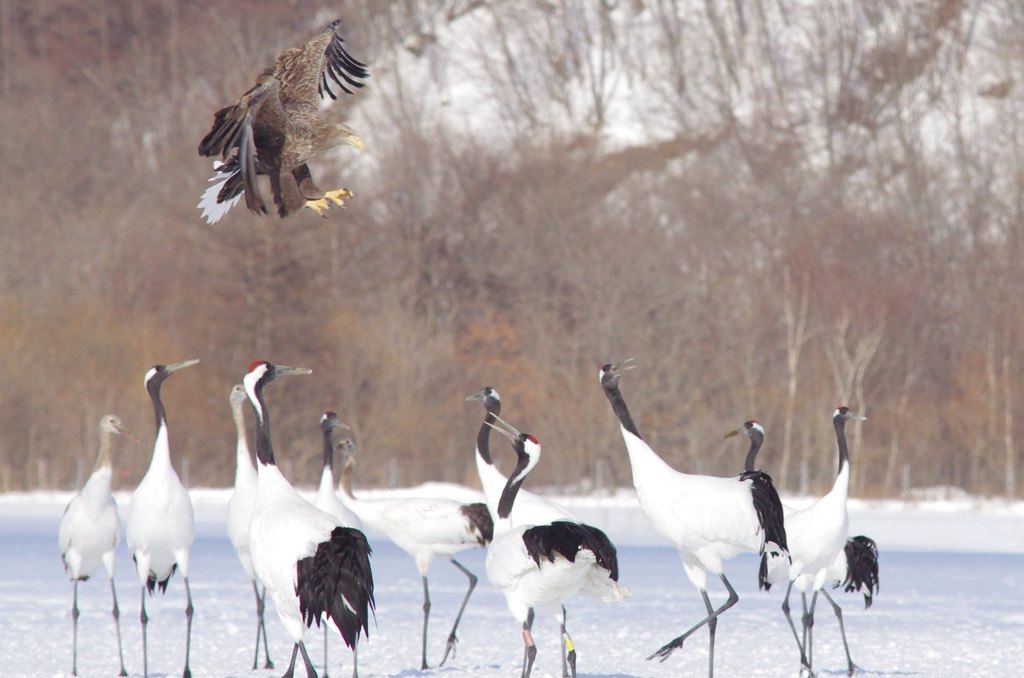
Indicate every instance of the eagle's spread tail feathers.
{"type": "Point", "coordinates": [224, 193]}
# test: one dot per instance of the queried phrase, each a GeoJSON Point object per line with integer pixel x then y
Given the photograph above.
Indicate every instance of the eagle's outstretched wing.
{"type": "Point", "coordinates": [304, 71]}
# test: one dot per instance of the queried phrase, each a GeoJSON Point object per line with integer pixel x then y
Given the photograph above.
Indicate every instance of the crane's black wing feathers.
{"type": "Point", "coordinates": [567, 539]}
{"type": "Point", "coordinates": [861, 568]}
{"type": "Point", "coordinates": [337, 581]}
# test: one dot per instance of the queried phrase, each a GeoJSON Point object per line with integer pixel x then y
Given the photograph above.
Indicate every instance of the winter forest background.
{"type": "Point", "coordinates": [775, 206]}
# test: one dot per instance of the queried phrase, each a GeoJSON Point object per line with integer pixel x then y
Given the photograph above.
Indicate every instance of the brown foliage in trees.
{"type": "Point", "coordinates": [829, 210]}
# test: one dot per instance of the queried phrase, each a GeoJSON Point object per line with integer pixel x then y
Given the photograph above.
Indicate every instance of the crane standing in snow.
{"type": "Point", "coordinates": [709, 519]}
{"type": "Point", "coordinates": [423, 527]}
{"type": "Point", "coordinates": [539, 565]}
{"type": "Point", "coordinates": [311, 566]}
{"type": "Point", "coordinates": [90, 531]}
{"type": "Point", "coordinates": [240, 507]}
{"type": "Point", "coordinates": [161, 525]}
{"type": "Point", "coordinates": [819, 547]}
{"type": "Point", "coordinates": [328, 502]}
{"type": "Point", "coordinates": [532, 509]}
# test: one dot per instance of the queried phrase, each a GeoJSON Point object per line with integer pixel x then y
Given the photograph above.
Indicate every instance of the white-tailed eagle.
{"type": "Point", "coordinates": [275, 128]}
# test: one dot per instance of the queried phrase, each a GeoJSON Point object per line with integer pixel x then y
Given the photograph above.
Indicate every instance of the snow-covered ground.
{"type": "Point", "coordinates": [951, 604]}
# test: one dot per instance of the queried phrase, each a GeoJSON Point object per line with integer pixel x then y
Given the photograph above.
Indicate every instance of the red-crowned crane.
{"type": "Point", "coordinates": [820, 550]}
{"type": "Point", "coordinates": [241, 504]}
{"type": "Point", "coordinates": [327, 500]}
{"type": "Point", "coordinates": [539, 565]}
{"type": "Point", "coordinates": [160, 525]}
{"type": "Point", "coordinates": [423, 527]}
{"type": "Point", "coordinates": [532, 509]}
{"type": "Point", "coordinates": [311, 566]}
{"type": "Point", "coordinates": [709, 519]}
{"type": "Point", "coordinates": [90, 531]}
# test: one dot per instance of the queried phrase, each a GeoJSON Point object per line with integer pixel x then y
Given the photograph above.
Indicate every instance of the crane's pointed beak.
{"type": "Point", "coordinates": [285, 371]}
{"type": "Point", "coordinates": [338, 423]}
{"type": "Point", "coordinates": [182, 365]}
{"type": "Point", "coordinates": [123, 431]}
{"type": "Point", "coordinates": [624, 365]}
{"type": "Point", "coordinates": [479, 395]}
{"type": "Point", "coordinates": [732, 433]}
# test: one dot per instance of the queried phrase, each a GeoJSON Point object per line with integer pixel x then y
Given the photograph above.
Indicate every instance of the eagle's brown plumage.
{"type": "Point", "coordinates": [275, 128]}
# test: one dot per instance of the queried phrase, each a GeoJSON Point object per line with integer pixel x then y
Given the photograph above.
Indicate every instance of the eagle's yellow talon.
{"type": "Point", "coordinates": [330, 199]}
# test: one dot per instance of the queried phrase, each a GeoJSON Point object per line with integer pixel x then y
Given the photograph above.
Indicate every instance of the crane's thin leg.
{"type": "Point", "coordinates": [529, 627]}
{"type": "Point", "coordinates": [260, 628]}
{"type": "Point", "coordinates": [426, 616]}
{"type": "Point", "coordinates": [677, 643]}
{"type": "Point", "coordinates": [565, 664]}
{"type": "Point", "coordinates": [117, 626]}
{"type": "Point", "coordinates": [531, 651]}
{"type": "Point", "coordinates": [74, 631]}
{"type": "Point", "coordinates": [712, 627]}
{"type": "Point", "coordinates": [310, 671]}
{"type": "Point", "coordinates": [805, 622]}
{"type": "Point", "coordinates": [189, 610]}
{"type": "Point", "coordinates": [450, 647]}
{"type": "Point", "coordinates": [355, 663]}
{"type": "Point", "coordinates": [568, 650]}
{"type": "Point", "coordinates": [810, 633]}
{"type": "Point", "coordinates": [792, 626]}
{"type": "Point", "coordinates": [290, 672]}
{"type": "Point", "coordinates": [851, 668]}
{"type": "Point", "coordinates": [144, 618]}
{"type": "Point", "coordinates": [261, 607]}
{"type": "Point", "coordinates": [325, 649]}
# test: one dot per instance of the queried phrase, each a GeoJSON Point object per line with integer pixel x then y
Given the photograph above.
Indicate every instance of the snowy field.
{"type": "Point", "coordinates": [951, 604]}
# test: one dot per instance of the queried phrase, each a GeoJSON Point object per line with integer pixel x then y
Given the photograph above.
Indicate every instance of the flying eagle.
{"type": "Point", "coordinates": [276, 128]}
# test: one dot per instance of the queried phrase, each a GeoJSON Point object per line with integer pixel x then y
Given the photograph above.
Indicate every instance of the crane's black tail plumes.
{"type": "Point", "coordinates": [480, 518]}
{"type": "Point", "coordinates": [337, 581]}
{"type": "Point", "coordinates": [567, 539]}
{"type": "Point", "coordinates": [604, 549]}
{"type": "Point", "coordinates": [769, 514]}
{"type": "Point", "coordinates": [861, 568]}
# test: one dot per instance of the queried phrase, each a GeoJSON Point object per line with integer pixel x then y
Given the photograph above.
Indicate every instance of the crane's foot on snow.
{"type": "Point", "coordinates": [666, 651]}
{"type": "Point", "coordinates": [449, 649]}
{"type": "Point", "coordinates": [330, 199]}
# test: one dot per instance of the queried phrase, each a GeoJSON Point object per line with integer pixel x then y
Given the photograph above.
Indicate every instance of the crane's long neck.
{"type": "Point", "coordinates": [328, 449]}
{"type": "Point", "coordinates": [508, 495]}
{"type": "Point", "coordinates": [844, 454]}
{"type": "Point", "coordinates": [755, 446]}
{"type": "Point", "coordinates": [242, 458]}
{"type": "Point", "coordinates": [103, 457]}
{"type": "Point", "coordinates": [618, 403]}
{"type": "Point", "coordinates": [264, 446]}
{"type": "Point", "coordinates": [483, 436]}
{"type": "Point", "coordinates": [644, 462]}
{"type": "Point", "coordinates": [161, 448]}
